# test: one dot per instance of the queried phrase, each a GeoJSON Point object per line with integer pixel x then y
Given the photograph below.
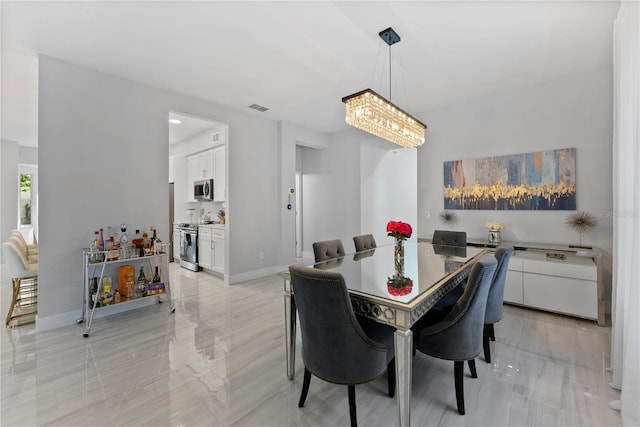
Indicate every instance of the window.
{"type": "Point", "coordinates": [25, 199]}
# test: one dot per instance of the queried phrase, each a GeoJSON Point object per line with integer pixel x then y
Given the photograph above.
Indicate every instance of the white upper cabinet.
{"type": "Point", "coordinates": [193, 166]}
{"type": "Point", "coordinates": [219, 175]}
{"type": "Point", "coordinates": [210, 164]}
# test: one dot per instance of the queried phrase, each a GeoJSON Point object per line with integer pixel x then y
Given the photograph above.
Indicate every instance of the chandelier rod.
{"type": "Point", "coordinates": [390, 37]}
{"type": "Point", "coordinates": [390, 73]}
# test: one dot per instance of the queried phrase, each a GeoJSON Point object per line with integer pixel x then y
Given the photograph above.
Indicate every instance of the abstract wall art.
{"type": "Point", "coordinates": [543, 180]}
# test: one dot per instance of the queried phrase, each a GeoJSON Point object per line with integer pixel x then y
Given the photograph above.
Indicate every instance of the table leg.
{"type": "Point", "coordinates": [403, 341]}
{"type": "Point", "coordinates": [290, 333]}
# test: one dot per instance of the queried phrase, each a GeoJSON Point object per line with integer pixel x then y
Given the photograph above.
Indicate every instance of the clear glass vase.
{"type": "Point", "coordinates": [398, 257]}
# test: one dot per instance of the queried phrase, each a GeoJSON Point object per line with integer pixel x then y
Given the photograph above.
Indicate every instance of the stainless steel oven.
{"type": "Point", "coordinates": [189, 246]}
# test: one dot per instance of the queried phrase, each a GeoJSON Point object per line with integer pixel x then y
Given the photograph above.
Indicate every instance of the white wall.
{"type": "Point", "coordinates": [388, 188]}
{"type": "Point", "coordinates": [575, 111]}
{"type": "Point", "coordinates": [8, 188]}
{"type": "Point", "coordinates": [103, 160]}
{"type": "Point", "coordinates": [27, 155]}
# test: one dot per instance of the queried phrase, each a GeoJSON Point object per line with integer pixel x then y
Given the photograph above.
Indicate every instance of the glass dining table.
{"type": "Point", "coordinates": [392, 290]}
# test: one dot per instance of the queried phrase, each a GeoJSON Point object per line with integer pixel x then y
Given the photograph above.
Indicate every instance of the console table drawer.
{"type": "Point", "coordinates": [513, 287]}
{"type": "Point", "coordinates": [561, 294]}
{"type": "Point", "coordinates": [576, 268]}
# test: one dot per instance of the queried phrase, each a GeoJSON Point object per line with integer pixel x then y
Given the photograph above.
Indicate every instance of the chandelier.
{"type": "Point", "coordinates": [372, 113]}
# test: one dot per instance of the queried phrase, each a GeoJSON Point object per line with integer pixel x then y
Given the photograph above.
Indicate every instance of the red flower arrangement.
{"type": "Point", "coordinates": [399, 230]}
{"type": "Point", "coordinates": [399, 285]}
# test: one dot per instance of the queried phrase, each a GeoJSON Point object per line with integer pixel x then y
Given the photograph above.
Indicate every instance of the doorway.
{"type": "Point", "coordinates": [28, 202]}
{"type": "Point", "coordinates": [298, 213]}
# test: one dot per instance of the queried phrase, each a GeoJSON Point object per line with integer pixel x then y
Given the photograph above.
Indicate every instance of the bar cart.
{"type": "Point", "coordinates": [98, 266]}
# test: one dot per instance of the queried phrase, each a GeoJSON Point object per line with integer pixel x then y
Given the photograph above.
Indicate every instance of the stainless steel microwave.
{"type": "Point", "coordinates": [203, 190]}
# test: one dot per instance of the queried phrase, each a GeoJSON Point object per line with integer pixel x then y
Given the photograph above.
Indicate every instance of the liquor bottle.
{"type": "Point", "coordinates": [95, 247]}
{"type": "Point", "coordinates": [123, 237]}
{"type": "Point", "coordinates": [156, 276]}
{"type": "Point", "coordinates": [158, 245]}
{"type": "Point", "coordinates": [152, 244]}
{"type": "Point", "coordinates": [101, 241]}
{"type": "Point", "coordinates": [101, 244]}
{"type": "Point", "coordinates": [141, 284]}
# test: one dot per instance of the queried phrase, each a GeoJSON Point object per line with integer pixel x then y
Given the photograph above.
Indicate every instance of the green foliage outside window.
{"type": "Point", "coordinates": [25, 182]}
{"type": "Point", "coordinates": [25, 199]}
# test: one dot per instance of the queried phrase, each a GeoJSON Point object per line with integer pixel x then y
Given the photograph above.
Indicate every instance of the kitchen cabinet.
{"type": "Point", "coordinates": [210, 164]}
{"type": "Point", "coordinates": [204, 247]}
{"type": "Point", "coordinates": [211, 247]}
{"type": "Point", "coordinates": [193, 166]}
{"type": "Point", "coordinates": [219, 242]}
{"type": "Point", "coordinates": [205, 162]}
{"type": "Point", "coordinates": [219, 174]}
{"type": "Point", "coordinates": [176, 245]}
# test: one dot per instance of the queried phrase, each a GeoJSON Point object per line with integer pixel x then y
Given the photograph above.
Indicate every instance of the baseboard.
{"type": "Point", "coordinates": [254, 274]}
{"type": "Point", "coordinates": [56, 321]}
{"type": "Point", "coordinates": [69, 318]}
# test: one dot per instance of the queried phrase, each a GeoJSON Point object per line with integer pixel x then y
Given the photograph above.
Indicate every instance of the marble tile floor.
{"type": "Point", "coordinates": [219, 361]}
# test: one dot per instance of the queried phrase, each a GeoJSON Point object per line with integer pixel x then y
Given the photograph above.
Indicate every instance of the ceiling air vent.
{"type": "Point", "coordinates": [258, 107]}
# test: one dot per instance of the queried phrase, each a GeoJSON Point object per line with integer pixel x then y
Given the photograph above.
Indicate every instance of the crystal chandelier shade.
{"type": "Point", "coordinates": [372, 113]}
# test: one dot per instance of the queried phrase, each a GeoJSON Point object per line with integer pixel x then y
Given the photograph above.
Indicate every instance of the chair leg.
{"type": "Point", "coordinates": [458, 370]}
{"type": "Point", "coordinates": [472, 368]}
{"type": "Point", "coordinates": [352, 405]}
{"type": "Point", "coordinates": [492, 334]}
{"type": "Point", "coordinates": [305, 387]}
{"type": "Point", "coordinates": [486, 334]}
{"type": "Point", "coordinates": [391, 378]}
{"type": "Point", "coordinates": [15, 284]}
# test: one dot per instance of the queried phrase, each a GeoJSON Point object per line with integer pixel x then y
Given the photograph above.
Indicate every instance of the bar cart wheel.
{"type": "Point", "coordinates": [80, 320]}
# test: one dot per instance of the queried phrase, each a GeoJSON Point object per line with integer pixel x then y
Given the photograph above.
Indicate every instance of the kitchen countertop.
{"type": "Point", "coordinates": [218, 226]}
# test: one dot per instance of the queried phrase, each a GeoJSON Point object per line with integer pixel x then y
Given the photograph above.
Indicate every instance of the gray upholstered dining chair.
{"type": "Point", "coordinates": [495, 300]}
{"type": "Point", "coordinates": [457, 334]}
{"type": "Point", "coordinates": [336, 347]}
{"type": "Point", "coordinates": [449, 238]}
{"type": "Point", "coordinates": [328, 249]}
{"type": "Point", "coordinates": [364, 242]}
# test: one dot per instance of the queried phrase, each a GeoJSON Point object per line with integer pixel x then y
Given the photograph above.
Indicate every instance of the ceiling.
{"type": "Point", "coordinates": [188, 126]}
{"type": "Point", "coordinates": [300, 58]}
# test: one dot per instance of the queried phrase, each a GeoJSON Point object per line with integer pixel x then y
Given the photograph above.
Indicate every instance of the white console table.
{"type": "Point", "coordinates": [556, 278]}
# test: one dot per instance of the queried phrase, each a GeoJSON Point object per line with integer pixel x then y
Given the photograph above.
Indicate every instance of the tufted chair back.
{"type": "Point", "coordinates": [328, 249]}
{"type": "Point", "coordinates": [459, 335]}
{"type": "Point", "coordinates": [336, 347]}
{"type": "Point", "coordinates": [449, 238]}
{"type": "Point", "coordinates": [495, 299]}
{"type": "Point", "coordinates": [364, 242]}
